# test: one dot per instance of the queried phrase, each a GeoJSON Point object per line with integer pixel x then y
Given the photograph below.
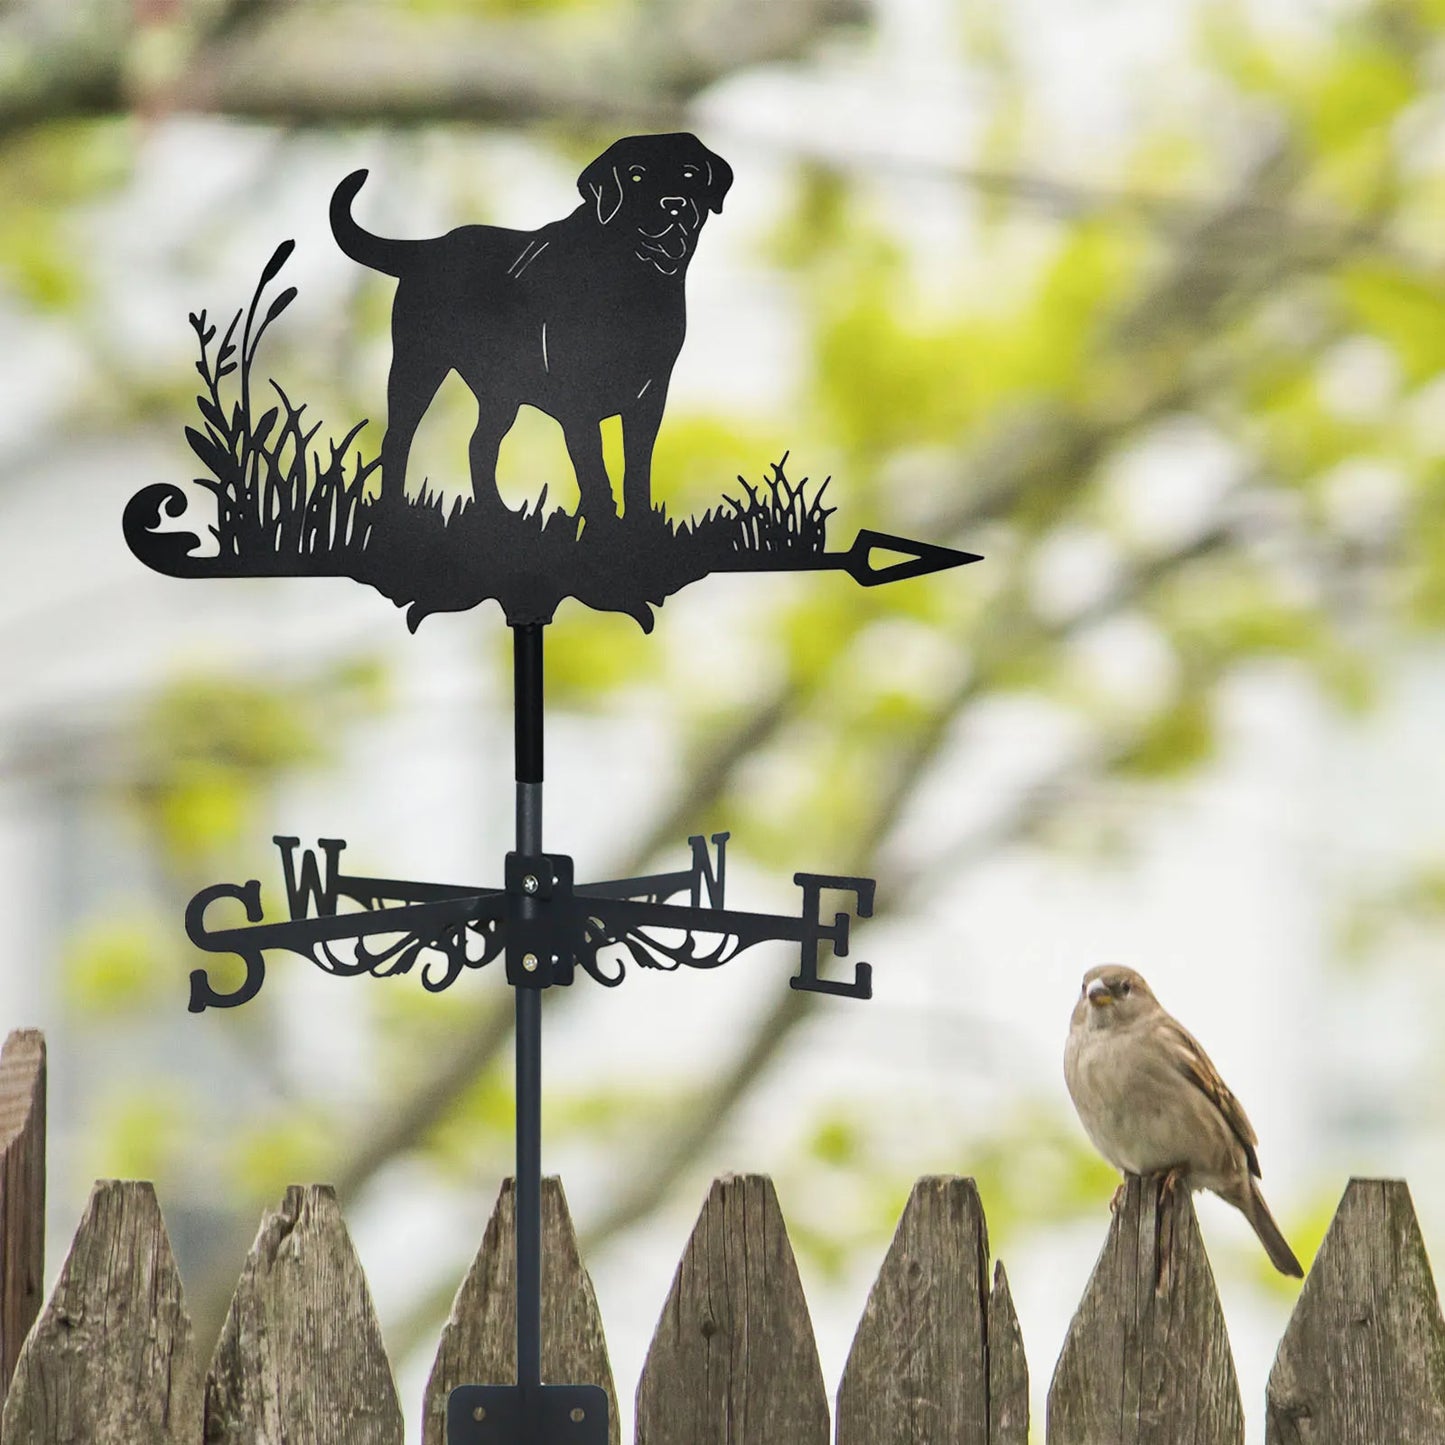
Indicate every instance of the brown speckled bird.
{"type": "Point", "coordinates": [1152, 1102]}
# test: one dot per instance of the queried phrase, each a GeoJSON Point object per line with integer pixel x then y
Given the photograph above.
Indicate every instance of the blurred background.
{"type": "Point", "coordinates": [1141, 301]}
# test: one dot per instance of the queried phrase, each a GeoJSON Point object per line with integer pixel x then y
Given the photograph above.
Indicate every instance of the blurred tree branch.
{"type": "Point", "coordinates": [354, 63]}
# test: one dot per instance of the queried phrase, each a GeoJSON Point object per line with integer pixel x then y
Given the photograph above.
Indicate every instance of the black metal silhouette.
{"type": "Point", "coordinates": [443, 931]}
{"type": "Point", "coordinates": [583, 319]}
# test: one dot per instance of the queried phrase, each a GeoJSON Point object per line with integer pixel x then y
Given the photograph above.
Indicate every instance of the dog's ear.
{"type": "Point", "coordinates": [601, 184]}
{"type": "Point", "coordinates": [719, 178]}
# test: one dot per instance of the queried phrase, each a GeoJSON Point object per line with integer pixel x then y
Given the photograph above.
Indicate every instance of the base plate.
{"type": "Point", "coordinates": [527, 1415]}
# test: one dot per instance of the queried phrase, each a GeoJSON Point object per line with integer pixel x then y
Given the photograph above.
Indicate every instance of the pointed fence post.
{"type": "Point", "coordinates": [733, 1361]}
{"type": "Point", "coordinates": [479, 1344]}
{"type": "Point", "coordinates": [300, 1355]}
{"type": "Point", "coordinates": [112, 1359]}
{"type": "Point", "coordinates": [1363, 1357]}
{"type": "Point", "coordinates": [1008, 1369]}
{"type": "Point", "coordinates": [1147, 1360]}
{"type": "Point", "coordinates": [934, 1343]}
{"type": "Point", "coordinates": [22, 1192]}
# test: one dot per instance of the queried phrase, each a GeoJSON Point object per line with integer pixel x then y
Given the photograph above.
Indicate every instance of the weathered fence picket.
{"type": "Point", "coordinates": [937, 1358]}
{"type": "Point", "coordinates": [1008, 1367]}
{"type": "Point", "coordinates": [733, 1360]}
{"type": "Point", "coordinates": [22, 1192]}
{"type": "Point", "coordinates": [111, 1359]}
{"type": "Point", "coordinates": [934, 1341]}
{"type": "Point", "coordinates": [300, 1355]}
{"type": "Point", "coordinates": [479, 1343]}
{"type": "Point", "coordinates": [1363, 1356]}
{"type": "Point", "coordinates": [1146, 1360]}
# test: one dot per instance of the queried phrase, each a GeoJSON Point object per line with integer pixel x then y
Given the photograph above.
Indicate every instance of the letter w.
{"type": "Point", "coordinates": [311, 887]}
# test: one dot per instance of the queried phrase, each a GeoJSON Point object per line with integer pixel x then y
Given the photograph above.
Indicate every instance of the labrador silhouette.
{"type": "Point", "coordinates": [583, 318]}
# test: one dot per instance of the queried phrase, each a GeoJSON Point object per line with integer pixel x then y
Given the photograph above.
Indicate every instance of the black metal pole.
{"type": "Point", "coordinates": [527, 710]}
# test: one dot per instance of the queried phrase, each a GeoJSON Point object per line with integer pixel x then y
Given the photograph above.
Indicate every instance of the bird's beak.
{"type": "Point", "coordinates": [1099, 994]}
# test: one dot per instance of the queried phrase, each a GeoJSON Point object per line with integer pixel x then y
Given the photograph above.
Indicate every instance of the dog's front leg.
{"type": "Point", "coordinates": [594, 486]}
{"type": "Point", "coordinates": [639, 432]}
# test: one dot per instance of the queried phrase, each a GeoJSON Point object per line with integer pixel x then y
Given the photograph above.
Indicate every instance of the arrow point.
{"type": "Point", "coordinates": [914, 559]}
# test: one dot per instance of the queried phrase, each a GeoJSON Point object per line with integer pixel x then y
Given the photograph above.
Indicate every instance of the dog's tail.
{"type": "Point", "coordinates": [379, 252]}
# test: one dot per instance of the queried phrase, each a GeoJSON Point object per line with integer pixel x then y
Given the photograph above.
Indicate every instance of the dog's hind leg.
{"type": "Point", "coordinates": [493, 423]}
{"type": "Point", "coordinates": [409, 391]}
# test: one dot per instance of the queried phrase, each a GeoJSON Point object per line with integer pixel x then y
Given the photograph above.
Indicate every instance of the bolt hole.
{"type": "Point", "coordinates": [479, 1412]}
{"type": "Point", "coordinates": [578, 1414]}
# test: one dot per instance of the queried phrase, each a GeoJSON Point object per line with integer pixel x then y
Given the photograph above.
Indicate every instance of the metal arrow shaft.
{"type": "Point", "coordinates": [915, 559]}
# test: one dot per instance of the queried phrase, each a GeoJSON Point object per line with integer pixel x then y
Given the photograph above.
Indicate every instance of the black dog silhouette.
{"type": "Point", "coordinates": [582, 319]}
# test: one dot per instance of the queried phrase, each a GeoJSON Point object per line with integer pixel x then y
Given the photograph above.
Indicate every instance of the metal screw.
{"type": "Point", "coordinates": [529, 962]}
{"type": "Point", "coordinates": [578, 1415]}
{"type": "Point", "coordinates": [479, 1413]}
{"type": "Point", "coordinates": [530, 884]}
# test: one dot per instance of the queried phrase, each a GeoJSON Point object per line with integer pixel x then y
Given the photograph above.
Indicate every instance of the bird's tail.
{"type": "Point", "coordinates": [1254, 1209]}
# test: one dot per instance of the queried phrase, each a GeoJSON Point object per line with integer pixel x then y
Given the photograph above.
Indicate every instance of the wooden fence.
{"type": "Point", "coordinates": [111, 1359]}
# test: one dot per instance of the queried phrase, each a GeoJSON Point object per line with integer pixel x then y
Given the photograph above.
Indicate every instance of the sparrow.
{"type": "Point", "coordinates": [1152, 1102]}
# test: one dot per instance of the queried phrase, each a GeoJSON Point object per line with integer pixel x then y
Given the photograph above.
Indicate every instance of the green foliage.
{"type": "Point", "coordinates": [847, 1185]}
{"type": "Point", "coordinates": [1377, 916]}
{"type": "Point", "coordinates": [442, 9]}
{"type": "Point", "coordinates": [1339, 95]}
{"type": "Point", "coordinates": [142, 1132]}
{"type": "Point", "coordinates": [207, 746]}
{"type": "Point", "coordinates": [118, 965]}
{"type": "Point", "coordinates": [263, 1156]}
{"type": "Point", "coordinates": [893, 371]}
{"type": "Point", "coordinates": [1425, 564]}
{"type": "Point", "coordinates": [1225, 616]}
{"type": "Point", "coordinates": [476, 1131]}
{"type": "Point", "coordinates": [46, 176]}
{"type": "Point", "coordinates": [1404, 309]}
{"type": "Point", "coordinates": [1175, 740]}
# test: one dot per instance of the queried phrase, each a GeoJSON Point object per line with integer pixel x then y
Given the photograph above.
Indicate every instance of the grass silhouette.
{"type": "Point", "coordinates": [285, 506]}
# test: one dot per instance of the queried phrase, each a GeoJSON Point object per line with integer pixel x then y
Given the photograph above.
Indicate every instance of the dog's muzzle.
{"type": "Point", "coordinates": [670, 243]}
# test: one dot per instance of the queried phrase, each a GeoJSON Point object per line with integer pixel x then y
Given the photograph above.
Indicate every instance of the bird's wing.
{"type": "Point", "coordinates": [1195, 1065]}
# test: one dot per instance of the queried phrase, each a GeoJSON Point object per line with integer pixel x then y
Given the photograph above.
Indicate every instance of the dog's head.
{"type": "Point", "coordinates": [657, 190]}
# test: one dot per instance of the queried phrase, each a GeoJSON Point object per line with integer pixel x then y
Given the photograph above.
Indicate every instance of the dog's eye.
{"type": "Point", "coordinates": [689, 173]}
{"type": "Point", "coordinates": [635, 176]}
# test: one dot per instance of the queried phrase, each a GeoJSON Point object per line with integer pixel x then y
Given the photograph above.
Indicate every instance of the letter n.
{"type": "Point", "coordinates": [702, 870]}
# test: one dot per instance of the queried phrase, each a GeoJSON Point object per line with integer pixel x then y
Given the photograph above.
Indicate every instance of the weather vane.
{"type": "Point", "coordinates": [583, 319]}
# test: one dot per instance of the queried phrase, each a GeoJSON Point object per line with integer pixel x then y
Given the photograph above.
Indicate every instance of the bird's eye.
{"type": "Point", "coordinates": [636, 175]}
{"type": "Point", "coordinates": [688, 172]}
{"type": "Point", "coordinates": [1124, 989]}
